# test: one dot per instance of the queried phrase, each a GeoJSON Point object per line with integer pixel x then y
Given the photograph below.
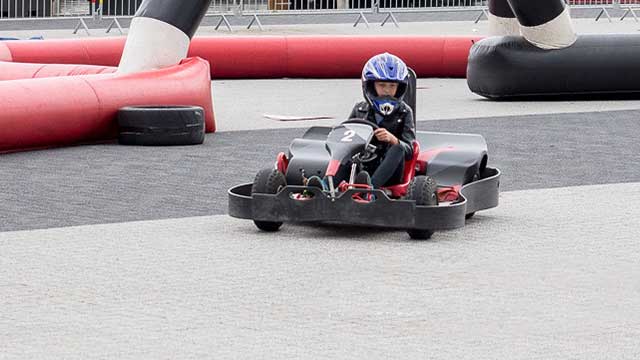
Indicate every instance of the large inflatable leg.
{"type": "Point", "coordinates": [545, 23]}
{"type": "Point", "coordinates": [160, 34]}
{"type": "Point", "coordinates": [502, 20]}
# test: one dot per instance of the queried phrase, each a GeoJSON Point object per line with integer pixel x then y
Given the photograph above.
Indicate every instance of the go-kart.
{"type": "Point", "coordinates": [444, 183]}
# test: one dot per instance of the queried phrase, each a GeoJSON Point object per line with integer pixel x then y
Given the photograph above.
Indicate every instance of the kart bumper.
{"type": "Point", "coordinates": [382, 212]}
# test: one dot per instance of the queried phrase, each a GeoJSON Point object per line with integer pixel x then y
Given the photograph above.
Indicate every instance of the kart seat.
{"type": "Point", "coordinates": [410, 96]}
{"type": "Point", "coordinates": [317, 133]}
{"type": "Point", "coordinates": [400, 190]}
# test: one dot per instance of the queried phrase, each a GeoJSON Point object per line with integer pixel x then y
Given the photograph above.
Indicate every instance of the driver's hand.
{"type": "Point", "coordinates": [385, 136]}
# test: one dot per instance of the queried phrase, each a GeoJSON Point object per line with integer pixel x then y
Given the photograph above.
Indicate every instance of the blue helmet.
{"type": "Point", "coordinates": [389, 68]}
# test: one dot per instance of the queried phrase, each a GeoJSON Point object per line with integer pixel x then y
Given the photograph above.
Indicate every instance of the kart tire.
{"type": "Point", "coordinates": [161, 125]}
{"type": "Point", "coordinates": [268, 181]}
{"type": "Point", "coordinates": [423, 190]}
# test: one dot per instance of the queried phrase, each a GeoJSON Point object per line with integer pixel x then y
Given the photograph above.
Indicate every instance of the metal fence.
{"type": "Point", "coordinates": [306, 6]}
{"type": "Point", "coordinates": [603, 5]}
{"type": "Point", "coordinates": [21, 9]}
{"type": "Point", "coordinates": [630, 7]}
{"type": "Point", "coordinates": [579, 4]}
{"type": "Point", "coordinates": [225, 7]}
{"type": "Point", "coordinates": [26, 8]}
{"type": "Point", "coordinates": [431, 5]}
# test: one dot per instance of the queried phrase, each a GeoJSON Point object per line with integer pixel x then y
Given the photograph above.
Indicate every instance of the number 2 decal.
{"type": "Point", "coordinates": [348, 136]}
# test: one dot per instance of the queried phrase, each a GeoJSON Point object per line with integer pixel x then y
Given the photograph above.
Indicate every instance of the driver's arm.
{"type": "Point", "coordinates": [408, 135]}
{"type": "Point", "coordinates": [355, 112]}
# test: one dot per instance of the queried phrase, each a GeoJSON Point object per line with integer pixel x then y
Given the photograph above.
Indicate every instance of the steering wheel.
{"type": "Point", "coordinates": [363, 122]}
{"type": "Point", "coordinates": [368, 155]}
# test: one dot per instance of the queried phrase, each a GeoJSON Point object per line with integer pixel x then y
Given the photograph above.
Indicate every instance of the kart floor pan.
{"type": "Point", "coordinates": [383, 212]}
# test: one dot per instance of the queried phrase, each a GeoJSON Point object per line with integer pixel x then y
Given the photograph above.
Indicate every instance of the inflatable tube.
{"type": "Point", "coordinates": [102, 52]}
{"type": "Point", "coordinates": [503, 67]}
{"type": "Point", "coordinates": [274, 56]}
{"type": "Point", "coordinates": [428, 56]}
{"type": "Point", "coordinates": [83, 108]}
{"type": "Point", "coordinates": [455, 58]}
{"type": "Point", "coordinates": [243, 57]}
{"type": "Point", "coordinates": [56, 104]}
{"type": "Point", "coordinates": [17, 71]}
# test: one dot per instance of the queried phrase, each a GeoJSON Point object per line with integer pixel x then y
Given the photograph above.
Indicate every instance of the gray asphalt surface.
{"type": "Point", "coordinates": [549, 274]}
{"type": "Point", "coordinates": [552, 273]}
{"type": "Point", "coordinates": [438, 99]}
{"type": "Point", "coordinates": [110, 183]}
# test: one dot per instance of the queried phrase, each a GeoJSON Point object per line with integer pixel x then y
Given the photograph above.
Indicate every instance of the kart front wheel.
{"type": "Point", "coordinates": [422, 190]}
{"type": "Point", "coordinates": [268, 181]}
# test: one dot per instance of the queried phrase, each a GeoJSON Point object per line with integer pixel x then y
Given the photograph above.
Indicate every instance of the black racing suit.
{"type": "Point", "coordinates": [388, 168]}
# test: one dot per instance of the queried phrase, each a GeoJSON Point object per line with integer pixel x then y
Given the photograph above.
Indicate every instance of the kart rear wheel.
{"type": "Point", "coordinates": [268, 181]}
{"type": "Point", "coordinates": [423, 190]}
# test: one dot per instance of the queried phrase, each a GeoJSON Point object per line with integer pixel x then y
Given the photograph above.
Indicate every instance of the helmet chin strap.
{"type": "Point", "coordinates": [387, 108]}
{"type": "Point", "coordinates": [385, 105]}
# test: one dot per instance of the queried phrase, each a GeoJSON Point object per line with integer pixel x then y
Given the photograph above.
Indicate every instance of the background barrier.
{"type": "Point", "coordinates": [82, 108]}
{"type": "Point", "coordinates": [250, 57]}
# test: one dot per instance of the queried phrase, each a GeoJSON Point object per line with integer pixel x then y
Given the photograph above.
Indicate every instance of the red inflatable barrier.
{"type": "Point", "coordinates": [272, 56]}
{"type": "Point", "coordinates": [17, 71]}
{"type": "Point", "coordinates": [243, 57]}
{"type": "Point", "coordinates": [344, 56]}
{"type": "Point", "coordinates": [66, 110]}
{"type": "Point", "coordinates": [48, 102]}
{"type": "Point", "coordinates": [104, 51]}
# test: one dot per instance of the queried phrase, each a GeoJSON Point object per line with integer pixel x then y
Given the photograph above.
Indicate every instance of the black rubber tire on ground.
{"type": "Point", "coordinates": [161, 125]}
{"type": "Point", "coordinates": [423, 190]}
{"type": "Point", "coordinates": [268, 181]}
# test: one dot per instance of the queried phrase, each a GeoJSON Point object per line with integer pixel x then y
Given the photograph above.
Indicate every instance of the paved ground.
{"type": "Point", "coordinates": [91, 185]}
{"type": "Point", "coordinates": [437, 99]}
{"type": "Point", "coordinates": [551, 273]}
{"type": "Point", "coordinates": [548, 274]}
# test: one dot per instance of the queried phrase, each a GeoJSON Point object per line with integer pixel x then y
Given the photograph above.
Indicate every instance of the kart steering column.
{"type": "Point", "coordinates": [332, 170]}
{"type": "Point", "coordinates": [332, 188]}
